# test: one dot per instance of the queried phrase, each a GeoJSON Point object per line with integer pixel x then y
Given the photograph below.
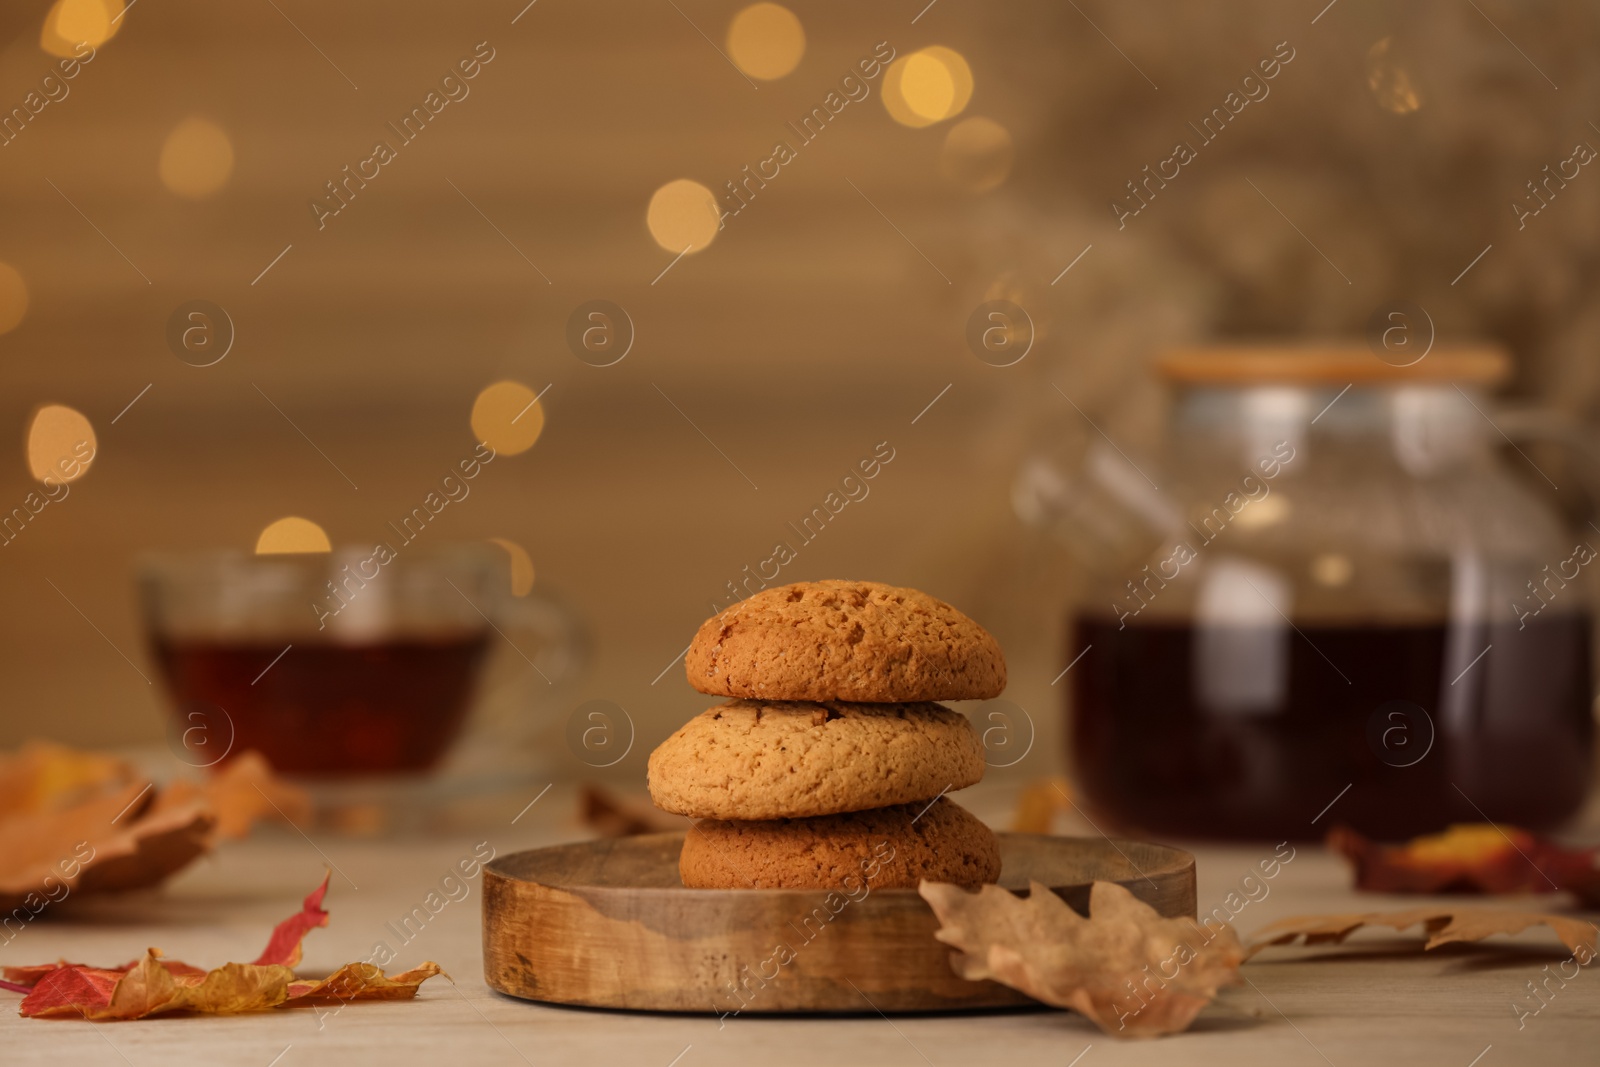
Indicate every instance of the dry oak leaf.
{"type": "Point", "coordinates": [1129, 969]}
{"type": "Point", "coordinates": [1470, 858]}
{"type": "Point", "coordinates": [1443, 926]}
{"type": "Point", "coordinates": [153, 985]}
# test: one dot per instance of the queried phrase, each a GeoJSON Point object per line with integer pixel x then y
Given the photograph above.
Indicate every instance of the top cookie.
{"type": "Point", "coordinates": [835, 640]}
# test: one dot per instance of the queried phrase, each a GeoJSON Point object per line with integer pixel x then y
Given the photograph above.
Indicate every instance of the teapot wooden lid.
{"type": "Point", "coordinates": [1330, 363]}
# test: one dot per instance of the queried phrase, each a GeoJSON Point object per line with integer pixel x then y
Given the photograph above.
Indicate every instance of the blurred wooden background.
{"type": "Point", "coordinates": [805, 335]}
{"type": "Point", "coordinates": [810, 330]}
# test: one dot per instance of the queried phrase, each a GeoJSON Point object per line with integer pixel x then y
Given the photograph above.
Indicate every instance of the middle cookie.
{"type": "Point", "coordinates": [754, 759]}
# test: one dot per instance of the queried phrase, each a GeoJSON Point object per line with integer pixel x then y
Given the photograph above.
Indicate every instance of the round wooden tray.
{"type": "Point", "coordinates": [607, 924]}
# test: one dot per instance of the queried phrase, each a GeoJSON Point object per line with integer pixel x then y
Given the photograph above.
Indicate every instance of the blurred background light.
{"type": "Point", "coordinates": [521, 566]}
{"type": "Point", "coordinates": [196, 158]}
{"type": "Point", "coordinates": [977, 154]}
{"type": "Point", "coordinates": [927, 86]}
{"type": "Point", "coordinates": [61, 444]}
{"type": "Point", "coordinates": [507, 417]}
{"type": "Point", "coordinates": [766, 41]}
{"type": "Point", "coordinates": [13, 298]}
{"type": "Point", "coordinates": [1332, 569]}
{"type": "Point", "coordinates": [292, 534]}
{"type": "Point", "coordinates": [683, 215]}
{"type": "Point", "coordinates": [69, 22]}
{"type": "Point", "coordinates": [1389, 81]}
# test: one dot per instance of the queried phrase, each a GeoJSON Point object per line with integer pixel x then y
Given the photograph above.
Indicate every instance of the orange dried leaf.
{"type": "Point", "coordinates": [150, 989]}
{"type": "Point", "coordinates": [157, 844]}
{"type": "Point", "coordinates": [42, 776]}
{"type": "Point", "coordinates": [362, 981]}
{"type": "Point", "coordinates": [77, 822]}
{"type": "Point", "coordinates": [1131, 971]}
{"type": "Point", "coordinates": [153, 985]}
{"type": "Point", "coordinates": [107, 842]}
{"type": "Point", "coordinates": [240, 793]}
{"type": "Point", "coordinates": [1443, 926]}
{"type": "Point", "coordinates": [32, 842]}
{"type": "Point", "coordinates": [1476, 858]}
{"type": "Point", "coordinates": [76, 990]}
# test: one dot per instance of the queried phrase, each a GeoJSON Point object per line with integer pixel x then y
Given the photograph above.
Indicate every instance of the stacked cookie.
{"type": "Point", "coordinates": [830, 766]}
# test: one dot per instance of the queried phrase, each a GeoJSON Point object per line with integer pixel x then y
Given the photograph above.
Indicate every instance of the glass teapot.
{"type": "Point", "coordinates": [1329, 601]}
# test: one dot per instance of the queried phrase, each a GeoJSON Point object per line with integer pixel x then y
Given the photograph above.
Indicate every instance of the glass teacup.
{"type": "Point", "coordinates": [350, 662]}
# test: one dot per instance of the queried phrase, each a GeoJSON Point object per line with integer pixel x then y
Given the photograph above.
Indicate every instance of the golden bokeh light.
{"type": "Point", "coordinates": [290, 536]}
{"type": "Point", "coordinates": [61, 444]}
{"type": "Point", "coordinates": [521, 566]}
{"type": "Point", "coordinates": [927, 86]}
{"type": "Point", "coordinates": [1389, 81]}
{"type": "Point", "coordinates": [683, 216]}
{"type": "Point", "coordinates": [71, 22]}
{"type": "Point", "coordinates": [1268, 511]}
{"type": "Point", "coordinates": [766, 41]}
{"type": "Point", "coordinates": [894, 97]}
{"type": "Point", "coordinates": [508, 417]}
{"type": "Point", "coordinates": [977, 154]}
{"type": "Point", "coordinates": [196, 158]}
{"type": "Point", "coordinates": [1332, 569]}
{"type": "Point", "coordinates": [13, 298]}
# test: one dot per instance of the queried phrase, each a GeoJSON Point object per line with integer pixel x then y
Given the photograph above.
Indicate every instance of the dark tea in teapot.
{"type": "Point", "coordinates": [1391, 728]}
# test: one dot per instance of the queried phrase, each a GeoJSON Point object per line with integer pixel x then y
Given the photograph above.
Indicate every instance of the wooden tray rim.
{"type": "Point", "coordinates": [1177, 858]}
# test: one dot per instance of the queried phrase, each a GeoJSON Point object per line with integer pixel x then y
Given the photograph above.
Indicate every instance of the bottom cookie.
{"type": "Point", "coordinates": [884, 848]}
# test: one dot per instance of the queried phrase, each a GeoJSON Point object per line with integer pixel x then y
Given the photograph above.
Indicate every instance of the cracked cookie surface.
{"type": "Point", "coordinates": [842, 640]}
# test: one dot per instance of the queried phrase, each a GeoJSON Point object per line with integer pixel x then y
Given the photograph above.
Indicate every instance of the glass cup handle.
{"type": "Point", "coordinates": [543, 634]}
{"type": "Point", "coordinates": [537, 646]}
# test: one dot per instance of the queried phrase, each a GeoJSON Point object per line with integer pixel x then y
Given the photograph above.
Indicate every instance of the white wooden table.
{"type": "Point", "coordinates": [1380, 1000]}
